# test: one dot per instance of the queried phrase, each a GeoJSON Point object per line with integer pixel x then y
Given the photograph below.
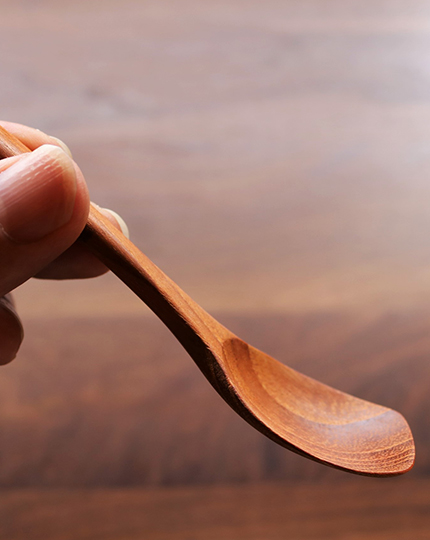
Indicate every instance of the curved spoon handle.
{"type": "Point", "coordinates": [195, 329]}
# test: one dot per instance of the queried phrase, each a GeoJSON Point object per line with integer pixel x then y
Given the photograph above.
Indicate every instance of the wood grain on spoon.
{"type": "Point", "coordinates": [292, 409]}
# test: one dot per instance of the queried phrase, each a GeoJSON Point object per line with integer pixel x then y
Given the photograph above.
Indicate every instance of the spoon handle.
{"type": "Point", "coordinates": [195, 329]}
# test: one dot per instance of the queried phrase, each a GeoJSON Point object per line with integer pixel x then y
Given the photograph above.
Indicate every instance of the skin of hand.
{"type": "Point", "coordinates": [44, 205]}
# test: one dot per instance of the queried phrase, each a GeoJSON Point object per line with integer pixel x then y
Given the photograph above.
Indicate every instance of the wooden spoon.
{"type": "Point", "coordinates": [297, 412]}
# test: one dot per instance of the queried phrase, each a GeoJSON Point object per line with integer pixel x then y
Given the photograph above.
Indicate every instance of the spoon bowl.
{"type": "Point", "coordinates": [316, 420]}
{"type": "Point", "coordinates": [297, 412]}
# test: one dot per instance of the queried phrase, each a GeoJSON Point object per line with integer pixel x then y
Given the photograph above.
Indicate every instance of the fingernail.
{"type": "Point", "coordinates": [117, 219]}
{"type": "Point", "coordinates": [63, 145]}
{"type": "Point", "coordinates": [120, 221]}
{"type": "Point", "coordinates": [37, 194]}
{"type": "Point", "coordinates": [11, 331]}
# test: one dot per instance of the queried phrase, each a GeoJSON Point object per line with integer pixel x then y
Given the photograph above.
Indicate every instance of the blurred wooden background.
{"type": "Point", "coordinates": [273, 158]}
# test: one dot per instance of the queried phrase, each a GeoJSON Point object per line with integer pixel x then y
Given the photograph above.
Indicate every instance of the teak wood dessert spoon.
{"type": "Point", "coordinates": [297, 412]}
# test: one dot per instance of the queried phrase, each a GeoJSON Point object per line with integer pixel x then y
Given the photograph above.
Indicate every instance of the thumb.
{"type": "Point", "coordinates": [43, 208]}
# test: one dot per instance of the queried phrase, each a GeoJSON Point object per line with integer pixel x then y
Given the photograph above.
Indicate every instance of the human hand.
{"type": "Point", "coordinates": [44, 205]}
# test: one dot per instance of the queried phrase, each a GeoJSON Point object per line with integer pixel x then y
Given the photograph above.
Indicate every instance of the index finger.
{"type": "Point", "coordinates": [33, 138]}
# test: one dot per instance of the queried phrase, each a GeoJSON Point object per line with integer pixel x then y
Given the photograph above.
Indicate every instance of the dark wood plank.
{"type": "Point", "coordinates": [115, 402]}
{"type": "Point", "coordinates": [387, 510]}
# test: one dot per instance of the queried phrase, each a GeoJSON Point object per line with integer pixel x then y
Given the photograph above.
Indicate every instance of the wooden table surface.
{"type": "Point", "coordinates": [273, 158]}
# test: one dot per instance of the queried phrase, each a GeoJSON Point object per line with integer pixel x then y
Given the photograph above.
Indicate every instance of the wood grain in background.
{"type": "Point", "coordinates": [117, 402]}
{"type": "Point", "coordinates": [288, 139]}
{"type": "Point", "coordinates": [272, 157]}
{"type": "Point", "coordinates": [269, 511]}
